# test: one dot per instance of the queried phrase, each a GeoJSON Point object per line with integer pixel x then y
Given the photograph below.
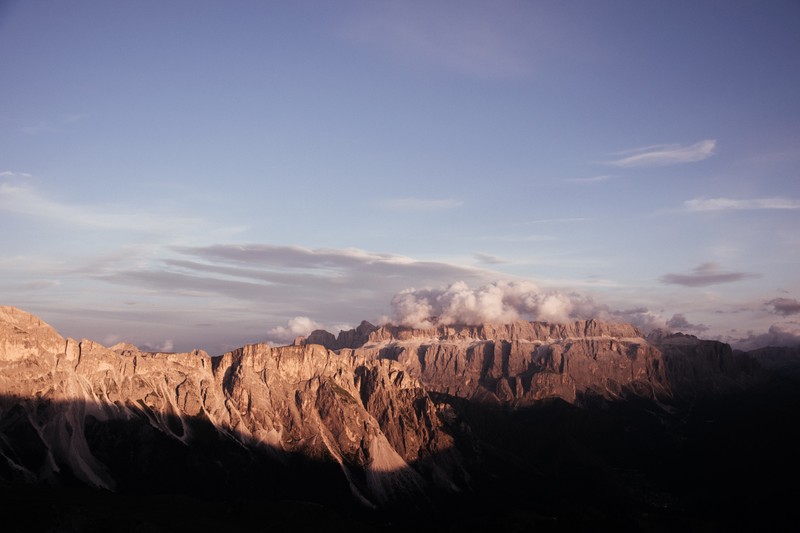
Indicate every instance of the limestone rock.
{"type": "Point", "coordinates": [368, 417]}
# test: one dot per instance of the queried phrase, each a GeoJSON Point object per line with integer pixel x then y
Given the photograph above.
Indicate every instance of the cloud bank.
{"type": "Point", "coordinates": [781, 334]}
{"type": "Point", "coordinates": [666, 154]}
{"type": "Point", "coordinates": [502, 302]}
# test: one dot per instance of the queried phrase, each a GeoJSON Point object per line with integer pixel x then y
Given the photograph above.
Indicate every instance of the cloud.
{"type": "Point", "coordinates": [12, 174]}
{"type": "Point", "coordinates": [24, 200]}
{"type": "Point", "coordinates": [39, 129]}
{"type": "Point", "coordinates": [552, 221]}
{"type": "Point", "coordinates": [666, 154]}
{"type": "Point", "coordinates": [420, 204]}
{"type": "Point", "coordinates": [704, 275]}
{"type": "Point", "coordinates": [592, 179]}
{"type": "Point", "coordinates": [475, 40]}
{"type": "Point", "coordinates": [40, 284]}
{"type": "Point", "coordinates": [514, 238]}
{"type": "Point", "coordinates": [505, 301]}
{"type": "Point", "coordinates": [641, 317]}
{"type": "Point", "coordinates": [289, 280]}
{"type": "Point", "coordinates": [785, 306]}
{"type": "Point", "coordinates": [728, 204]}
{"type": "Point", "coordinates": [167, 346]}
{"type": "Point", "coordinates": [299, 326]}
{"type": "Point", "coordinates": [678, 322]}
{"type": "Point", "coordinates": [489, 259]}
{"type": "Point", "coordinates": [780, 334]}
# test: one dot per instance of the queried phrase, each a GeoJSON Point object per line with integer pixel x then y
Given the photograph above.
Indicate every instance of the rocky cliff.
{"type": "Point", "coordinates": [496, 423]}
{"type": "Point", "coordinates": [370, 418]}
{"type": "Point", "coordinates": [523, 362]}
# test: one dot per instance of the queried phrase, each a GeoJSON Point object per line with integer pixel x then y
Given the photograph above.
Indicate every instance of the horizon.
{"type": "Point", "coordinates": [194, 175]}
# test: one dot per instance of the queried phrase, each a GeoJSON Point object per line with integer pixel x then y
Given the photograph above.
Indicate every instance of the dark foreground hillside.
{"type": "Point", "coordinates": [521, 427]}
{"type": "Point", "coordinates": [712, 465]}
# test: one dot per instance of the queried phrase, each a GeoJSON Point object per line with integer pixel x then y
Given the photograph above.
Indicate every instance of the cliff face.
{"type": "Point", "coordinates": [447, 421]}
{"type": "Point", "coordinates": [522, 362]}
{"type": "Point", "coordinates": [369, 418]}
{"type": "Point", "coordinates": [696, 367]}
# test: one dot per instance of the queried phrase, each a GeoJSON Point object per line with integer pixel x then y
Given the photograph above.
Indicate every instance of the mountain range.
{"type": "Point", "coordinates": [527, 425]}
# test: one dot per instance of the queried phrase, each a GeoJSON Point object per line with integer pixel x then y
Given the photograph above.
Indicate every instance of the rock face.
{"type": "Point", "coordinates": [369, 423]}
{"type": "Point", "coordinates": [696, 367]}
{"type": "Point", "coordinates": [523, 362]}
{"type": "Point", "coordinates": [783, 360]}
{"type": "Point", "coordinates": [377, 417]}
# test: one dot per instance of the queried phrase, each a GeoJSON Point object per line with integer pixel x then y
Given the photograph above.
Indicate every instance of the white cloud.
{"type": "Point", "coordinates": [728, 204]}
{"type": "Point", "coordinates": [505, 301]}
{"type": "Point", "coordinates": [166, 346]}
{"type": "Point", "coordinates": [299, 326]}
{"type": "Point", "coordinates": [501, 302]}
{"type": "Point", "coordinates": [666, 154]}
{"type": "Point", "coordinates": [420, 204]}
{"type": "Point", "coordinates": [11, 174]}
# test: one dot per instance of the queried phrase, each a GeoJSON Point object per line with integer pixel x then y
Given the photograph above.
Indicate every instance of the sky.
{"type": "Point", "coordinates": [198, 174]}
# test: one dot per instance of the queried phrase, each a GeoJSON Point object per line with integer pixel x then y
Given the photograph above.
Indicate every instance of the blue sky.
{"type": "Point", "coordinates": [205, 174]}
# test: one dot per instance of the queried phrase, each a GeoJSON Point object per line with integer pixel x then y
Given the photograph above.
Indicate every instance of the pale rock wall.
{"type": "Point", "coordinates": [366, 415]}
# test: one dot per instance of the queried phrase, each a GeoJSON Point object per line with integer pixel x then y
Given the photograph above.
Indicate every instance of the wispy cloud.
{"type": "Point", "coordinates": [69, 118]}
{"type": "Point", "coordinates": [705, 275]}
{"type": "Point", "coordinates": [420, 204]}
{"type": "Point", "coordinates": [290, 280]}
{"type": "Point", "coordinates": [514, 238]}
{"type": "Point", "coordinates": [732, 204]}
{"type": "Point", "coordinates": [40, 284]}
{"type": "Point", "coordinates": [488, 259]}
{"type": "Point", "coordinates": [12, 174]}
{"type": "Point", "coordinates": [592, 179]}
{"type": "Point", "coordinates": [552, 221]}
{"type": "Point", "coordinates": [482, 41]}
{"type": "Point", "coordinates": [24, 200]}
{"type": "Point", "coordinates": [665, 154]}
{"type": "Point", "coordinates": [39, 128]}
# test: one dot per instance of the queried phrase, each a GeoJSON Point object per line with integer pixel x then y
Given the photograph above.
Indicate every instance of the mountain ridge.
{"type": "Point", "coordinates": [398, 419]}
